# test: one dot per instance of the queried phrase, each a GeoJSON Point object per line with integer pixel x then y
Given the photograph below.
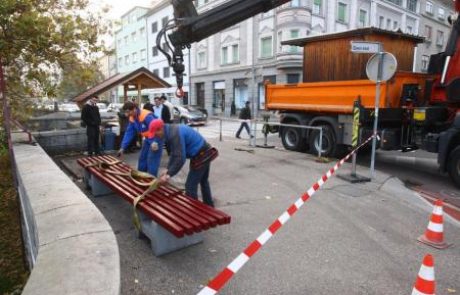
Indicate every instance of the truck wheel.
{"type": "Point", "coordinates": [454, 166]}
{"type": "Point", "coordinates": [292, 139]}
{"type": "Point", "coordinates": [328, 143]}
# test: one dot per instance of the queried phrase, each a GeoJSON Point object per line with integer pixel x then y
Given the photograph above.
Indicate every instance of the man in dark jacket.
{"type": "Point", "coordinates": [184, 143]}
{"type": "Point", "coordinates": [161, 111]}
{"type": "Point", "coordinates": [92, 119]}
{"type": "Point", "coordinates": [245, 116]}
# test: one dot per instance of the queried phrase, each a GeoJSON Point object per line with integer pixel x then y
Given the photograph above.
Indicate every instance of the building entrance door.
{"type": "Point", "coordinates": [200, 95]}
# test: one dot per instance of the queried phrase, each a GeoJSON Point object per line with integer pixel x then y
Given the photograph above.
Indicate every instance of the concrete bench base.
{"type": "Point", "coordinates": [162, 241]}
{"type": "Point", "coordinates": [98, 189]}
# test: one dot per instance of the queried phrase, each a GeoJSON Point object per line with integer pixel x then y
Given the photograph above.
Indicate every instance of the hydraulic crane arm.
{"type": "Point", "coordinates": [188, 26]}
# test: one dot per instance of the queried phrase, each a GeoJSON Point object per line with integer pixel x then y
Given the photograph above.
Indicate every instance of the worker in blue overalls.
{"type": "Point", "coordinates": [185, 143]}
{"type": "Point", "coordinates": [139, 121]}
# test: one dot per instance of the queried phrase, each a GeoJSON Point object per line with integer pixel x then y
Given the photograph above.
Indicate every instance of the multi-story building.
{"type": "Point", "coordinates": [230, 67]}
{"type": "Point", "coordinates": [157, 18]}
{"type": "Point", "coordinates": [131, 43]}
{"type": "Point", "coordinates": [435, 28]}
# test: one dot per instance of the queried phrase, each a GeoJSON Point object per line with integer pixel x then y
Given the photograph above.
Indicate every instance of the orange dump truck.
{"type": "Point", "coordinates": [417, 110]}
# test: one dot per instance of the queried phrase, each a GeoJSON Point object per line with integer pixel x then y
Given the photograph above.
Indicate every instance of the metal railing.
{"type": "Point", "coordinates": [257, 122]}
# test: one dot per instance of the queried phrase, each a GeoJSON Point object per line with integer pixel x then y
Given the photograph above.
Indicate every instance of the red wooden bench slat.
{"type": "Point", "coordinates": [184, 208]}
{"type": "Point", "coordinates": [167, 205]}
{"type": "Point", "coordinates": [154, 213]}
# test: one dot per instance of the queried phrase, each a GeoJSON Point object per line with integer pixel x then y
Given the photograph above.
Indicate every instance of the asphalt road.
{"type": "Point", "coordinates": [347, 239]}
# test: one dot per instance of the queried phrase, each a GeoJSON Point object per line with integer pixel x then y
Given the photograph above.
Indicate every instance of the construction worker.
{"type": "Point", "coordinates": [139, 121]}
{"type": "Point", "coordinates": [185, 143]}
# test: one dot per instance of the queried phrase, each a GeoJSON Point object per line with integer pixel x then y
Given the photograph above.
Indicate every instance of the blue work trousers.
{"type": "Point", "coordinates": [199, 177]}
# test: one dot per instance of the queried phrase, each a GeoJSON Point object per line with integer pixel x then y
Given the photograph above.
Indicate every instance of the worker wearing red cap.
{"type": "Point", "coordinates": [185, 143]}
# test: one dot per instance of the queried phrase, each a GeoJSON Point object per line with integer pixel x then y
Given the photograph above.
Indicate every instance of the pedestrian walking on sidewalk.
{"type": "Point", "coordinates": [91, 117]}
{"type": "Point", "coordinates": [245, 116]}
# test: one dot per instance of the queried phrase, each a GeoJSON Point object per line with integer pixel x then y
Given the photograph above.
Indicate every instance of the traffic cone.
{"type": "Point", "coordinates": [434, 235]}
{"type": "Point", "coordinates": [425, 284]}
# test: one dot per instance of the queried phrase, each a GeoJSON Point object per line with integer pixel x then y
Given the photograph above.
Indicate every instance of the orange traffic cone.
{"type": "Point", "coordinates": [425, 284]}
{"type": "Point", "coordinates": [434, 235]}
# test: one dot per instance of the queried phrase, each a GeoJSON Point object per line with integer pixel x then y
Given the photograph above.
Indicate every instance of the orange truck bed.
{"type": "Point", "coordinates": [338, 96]}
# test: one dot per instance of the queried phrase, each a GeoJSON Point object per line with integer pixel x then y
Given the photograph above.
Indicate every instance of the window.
{"type": "Point", "coordinates": [425, 61]}
{"type": "Point", "coordinates": [164, 21]}
{"type": "Point", "coordinates": [201, 60]}
{"type": "Point", "coordinates": [293, 78]}
{"type": "Point", "coordinates": [294, 35]}
{"type": "Point", "coordinates": [388, 24]}
{"type": "Point", "coordinates": [280, 38]}
{"type": "Point", "coordinates": [126, 60]}
{"type": "Point", "coordinates": [154, 27]}
{"type": "Point", "coordinates": [166, 72]}
{"type": "Point", "coordinates": [133, 37]}
{"type": "Point", "coordinates": [165, 46]}
{"type": "Point", "coordinates": [381, 22]}
{"type": "Point", "coordinates": [126, 40]}
{"type": "Point", "coordinates": [341, 12]}
{"type": "Point", "coordinates": [134, 57]}
{"type": "Point", "coordinates": [120, 61]}
{"type": "Point", "coordinates": [397, 2]}
{"type": "Point", "coordinates": [156, 72]}
{"type": "Point", "coordinates": [440, 38]}
{"type": "Point", "coordinates": [362, 18]}
{"type": "Point", "coordinates": [119, 42]}
{"type": "Point", "coordinates": [154, 51]}
{"type": "Point", "coordinates": [412, 5]}
{"type": "Point", "coordinates": [143, 54]}
{"type": "Point", "coordinates": [441, 13]}
{"type": "Point", "coordinates": [429, 7]}
{"type": "Point", "coordinates": [266, 49]}
{"type": "Point", "coordinates": [141, 32]}
{"type": "Point", "coordinates": [395, 25]}
{"type": "Point", "coordinates": [409, 30]}
{"type": "Point", "coordinates": [317, 7]}
{"type": "Point", "coordinates": [235, 53]}
{"type": "Point", "coordinates": [428, 33]}
{"type": "Point", "coordinates": [224, 56]}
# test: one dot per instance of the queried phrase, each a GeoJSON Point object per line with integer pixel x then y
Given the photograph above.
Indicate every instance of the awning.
{"type": "Point", "coordinates": [138, 80]}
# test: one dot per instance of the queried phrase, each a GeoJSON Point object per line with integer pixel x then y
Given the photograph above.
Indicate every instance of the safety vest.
{"type": "Point", "coordinates": [141, 118]}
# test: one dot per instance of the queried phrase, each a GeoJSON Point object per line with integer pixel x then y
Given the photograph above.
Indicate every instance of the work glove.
{"type": "Point", "coordinates": [120, 152]}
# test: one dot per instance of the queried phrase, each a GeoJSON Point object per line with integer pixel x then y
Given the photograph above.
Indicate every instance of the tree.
{"type": "Point", "coordinates": [78, 78]}
{"type": "Point", "coordinates": [44, 40]}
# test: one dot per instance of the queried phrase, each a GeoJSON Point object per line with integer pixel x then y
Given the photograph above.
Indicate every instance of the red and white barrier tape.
{"type": "Point", "coordinates": [224, 276]}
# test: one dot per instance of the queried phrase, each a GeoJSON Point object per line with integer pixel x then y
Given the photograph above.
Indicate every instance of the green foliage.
{"type": "Point", "coordinates": [42, 41]}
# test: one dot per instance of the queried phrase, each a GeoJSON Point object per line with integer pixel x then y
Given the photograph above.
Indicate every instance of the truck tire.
{"type": "Point", "coordinates": [329, 143]}
{"type": "Point", "coordinates": [292, 139]}
{"type": "Point", "coordinates": [454, 166]}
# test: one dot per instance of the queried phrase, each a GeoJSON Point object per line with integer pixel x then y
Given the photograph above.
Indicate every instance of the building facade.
{"type": "Point", "coordinates": [131, 45]}
{"type": "Point", "coordinates": [435, 28]}
{"type": "Point", "coordinates": [157, 18]}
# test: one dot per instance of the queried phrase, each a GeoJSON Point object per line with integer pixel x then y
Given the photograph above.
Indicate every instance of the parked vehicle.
{"type": "Point", "coordinates": [69, 107]}
{"type": "Point", "coordinates": [189, 115]}
{"type": "Point", "coordinates": [114, 107]}
{"type": "Point", "coordinates": [102, 107]}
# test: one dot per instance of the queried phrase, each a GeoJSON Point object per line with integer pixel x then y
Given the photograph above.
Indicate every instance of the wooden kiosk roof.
{"type": "Point", "coordinates": [138, 80]}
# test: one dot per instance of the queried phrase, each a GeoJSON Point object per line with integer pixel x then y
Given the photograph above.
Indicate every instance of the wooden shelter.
{"type": "Point", "coordinates": [137, 80]}
{"type": "Point", "coordinates": [329, 57]}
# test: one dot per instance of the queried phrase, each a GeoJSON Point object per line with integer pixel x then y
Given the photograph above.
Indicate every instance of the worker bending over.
{"type": "Point", "coordinates": [185, 143]}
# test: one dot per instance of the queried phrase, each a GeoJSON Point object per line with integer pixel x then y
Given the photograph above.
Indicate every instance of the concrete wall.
{"type": "Point", "coordinates": [70, 246]}
{"type": "Point", "coordinates": [60, 141]}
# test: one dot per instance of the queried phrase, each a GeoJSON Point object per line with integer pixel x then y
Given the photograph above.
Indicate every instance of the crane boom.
{"type": "Point", "coordinates": [188, 27]}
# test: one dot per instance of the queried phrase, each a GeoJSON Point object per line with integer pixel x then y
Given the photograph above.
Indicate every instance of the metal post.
{"type": "Point", "coordinates": [376, 112]}
{"type": "Point", "coordinates": [320, 142]}
{"type": "Point", "coordinates": [220, 129]}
